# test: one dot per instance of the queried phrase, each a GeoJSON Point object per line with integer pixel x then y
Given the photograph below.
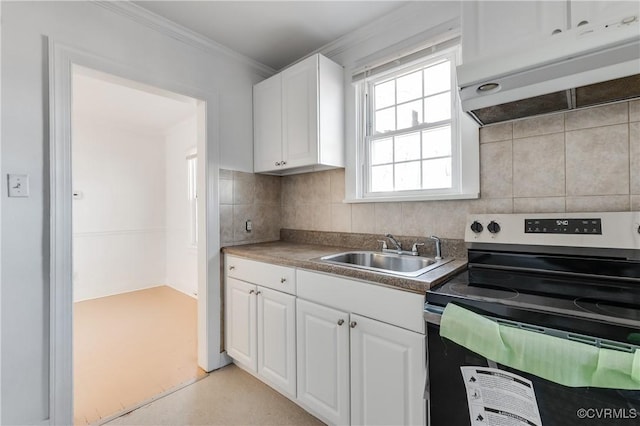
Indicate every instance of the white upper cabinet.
{"type": "Point", "coordinates": [267, 123]}
{"type": "Point", "coordinates": [299, 118]}
{"type": "Point", "coordinates": [491, 28]}
{"type": "Point", "coordinates": [602, 12]}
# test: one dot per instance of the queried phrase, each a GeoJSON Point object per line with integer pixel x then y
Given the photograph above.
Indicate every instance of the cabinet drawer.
{"type": "Point", "coordinates": [281, 278]}
{"type": "Point", "coordinates": [397, 307]}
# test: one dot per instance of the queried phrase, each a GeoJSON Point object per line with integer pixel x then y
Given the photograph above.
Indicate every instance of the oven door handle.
{"type": "Point", "coordinates": [433, 313]}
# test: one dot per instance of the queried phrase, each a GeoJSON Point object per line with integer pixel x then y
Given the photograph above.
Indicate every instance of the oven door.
{"type": "Point", "coordinates": [557, 404]}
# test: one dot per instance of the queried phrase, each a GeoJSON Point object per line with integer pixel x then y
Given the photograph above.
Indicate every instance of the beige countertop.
{"type": "Point", "coordinates": [303, 255]}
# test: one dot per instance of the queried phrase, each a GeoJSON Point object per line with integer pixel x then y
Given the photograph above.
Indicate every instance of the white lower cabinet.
{"type": "Point", "coordinates": [348, 351]}
{"type": "Point", "coordinates": [387, 374]}
{"type": "Point", "coordinates": [323, 361]}
{"type": "Point", "coordinates": [277, 339]}
{"type": "Point", "coordinates": [241, 323]}
{"type": "Point", "coordinates": [359, 371]}
{"type": "Point", "coordinates": [260, 333]}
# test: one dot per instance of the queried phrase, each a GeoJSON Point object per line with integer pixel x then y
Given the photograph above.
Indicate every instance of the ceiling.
{"type": "Point", "coordinates": [274, 33]}
{"type": "Point", "coordinates": [106, 99]}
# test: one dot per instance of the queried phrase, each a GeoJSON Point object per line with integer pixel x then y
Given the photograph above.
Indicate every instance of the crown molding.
{"type": "Point", "coordinates": [371, 29]}
{"type": "Point", "coordinates": [180, 33]}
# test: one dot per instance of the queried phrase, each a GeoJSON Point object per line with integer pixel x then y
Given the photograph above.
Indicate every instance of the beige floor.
{"type": "Point", "coordinates": [131, 347]}
{"type": "Point", "coordinates": [228, 396]}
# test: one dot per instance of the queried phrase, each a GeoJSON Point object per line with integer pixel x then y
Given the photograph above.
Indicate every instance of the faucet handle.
{"type": "Point", "coordinates": [384, 244]}
{"type": "Point", "coordinates": [414, 249]}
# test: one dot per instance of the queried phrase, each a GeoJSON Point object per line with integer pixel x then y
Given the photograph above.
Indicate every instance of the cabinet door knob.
{"type": "Point", "coordinates": [277, 163]}
{"type": "Point", "coordinates": [283, 163]}
{"type": "Point", "coordinates": [258, 292]}
{"type": "Point", "coordinates": [353, 324]}
{"type": "Point", "coordinates": [251, 291]}
{"type": "Point", "coordinates": [283, 280]}
{"type": "Point", "coordinates": [340, 321]}
{"type": "Point", "coordinates": [231, 268]}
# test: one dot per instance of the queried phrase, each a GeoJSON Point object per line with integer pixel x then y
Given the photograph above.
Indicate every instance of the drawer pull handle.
{"type": "Point", "coordinates": [251, 291]}
{"type": "Point", "coordinates": [283, 280]}
{"type": "Point", "coordinates": [353, 324]}
{"type": "Point", "coordinates": [340, 321]}
{"type": "Point", "coordinates": [258, 292]}
{"type": "Point", "coordinates": [231, 268]}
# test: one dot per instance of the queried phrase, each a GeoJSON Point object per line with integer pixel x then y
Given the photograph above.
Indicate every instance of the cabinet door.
{"type": "Point", "coordinates": [241, 322]}
{"type": "Point", "coordinates": [276, 339]}
{"type": "Point", "coordinates": [323, 361]}
{"type": "Point", "coordinates": [595, 12]}
{"type": "Point", "coordinates": [267, 124]}
{"type": "Point", "coordinates": [388, 372]}
{"type": "Point", "coordinates": [300, 113]}
{"type": "Point", "coordinates": [492, 27]}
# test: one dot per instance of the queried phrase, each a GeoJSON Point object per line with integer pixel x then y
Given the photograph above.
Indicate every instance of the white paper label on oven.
{"type": "Point", "coordinates": [499, 398]}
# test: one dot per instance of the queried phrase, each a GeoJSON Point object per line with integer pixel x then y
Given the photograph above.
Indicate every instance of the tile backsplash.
{"type": "Point", "coordinates": [587, 160]}
{"type": "Point", "coordinates": [248, 196]}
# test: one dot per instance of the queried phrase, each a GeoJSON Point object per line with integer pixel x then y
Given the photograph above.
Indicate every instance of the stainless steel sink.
{"type": "Point", "coordinates": [388, 263]}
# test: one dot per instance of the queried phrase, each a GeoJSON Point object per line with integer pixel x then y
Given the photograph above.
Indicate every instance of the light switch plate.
{"type": "Point", "coordinates": [18, 185]}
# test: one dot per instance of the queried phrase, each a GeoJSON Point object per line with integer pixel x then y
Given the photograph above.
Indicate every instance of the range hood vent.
{"type": "Point", "coordinates": [616, 90]}
{"type": "Point", "coordinates": [577, 69]}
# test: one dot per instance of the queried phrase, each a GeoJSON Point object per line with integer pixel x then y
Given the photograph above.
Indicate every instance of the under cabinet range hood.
{"type": "Point", "coordinates": [580, 68]}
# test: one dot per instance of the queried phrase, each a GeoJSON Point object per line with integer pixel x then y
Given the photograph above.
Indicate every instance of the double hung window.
{"type": "Point", "coordinates": [410, 146]}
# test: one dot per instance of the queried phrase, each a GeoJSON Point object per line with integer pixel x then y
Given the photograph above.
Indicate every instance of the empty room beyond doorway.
{"type": "Point", "coordinates": [130, 348]}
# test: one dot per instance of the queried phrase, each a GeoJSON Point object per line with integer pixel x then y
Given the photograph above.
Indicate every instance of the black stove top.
{"type": "Point", "coordinates": [577, 274]}
{"type": "Point", "coordinates": [606, 310]}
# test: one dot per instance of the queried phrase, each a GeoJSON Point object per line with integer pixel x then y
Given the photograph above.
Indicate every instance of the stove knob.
{"type": "Point", "coordinates": [493, 227]}
{"type": "Point", "coordinates": [476, 227]}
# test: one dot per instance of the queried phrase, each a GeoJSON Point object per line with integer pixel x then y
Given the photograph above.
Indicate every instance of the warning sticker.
{"type": "Point", "coordinates": [499, 398]}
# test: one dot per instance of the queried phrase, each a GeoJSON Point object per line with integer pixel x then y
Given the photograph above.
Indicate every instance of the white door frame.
{"type": "Point", "coordinates": [61, 59]}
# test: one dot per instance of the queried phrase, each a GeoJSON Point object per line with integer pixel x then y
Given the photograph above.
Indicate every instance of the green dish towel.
{"type": "Point", "coordinates": [559, 360]}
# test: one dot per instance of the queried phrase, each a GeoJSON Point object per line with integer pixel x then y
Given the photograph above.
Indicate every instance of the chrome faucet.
{"type": "Point", "coordinates": [438, 247]}
{"type": "Point", "coordinates": [396, 242]}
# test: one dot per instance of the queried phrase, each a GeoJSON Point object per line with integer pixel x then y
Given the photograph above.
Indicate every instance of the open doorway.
{"type": "Point", "coordinates": [135, 243]}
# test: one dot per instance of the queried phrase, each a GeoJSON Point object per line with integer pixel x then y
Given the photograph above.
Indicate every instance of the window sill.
{"type": "Point", "coordinates": [399, 199]}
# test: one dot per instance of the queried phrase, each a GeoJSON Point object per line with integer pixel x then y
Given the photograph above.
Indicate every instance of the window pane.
{"type": "Point", "coordinates": [436, 173]}
{"type": "Point", "coordinates": [409, 115]}
{"type": "Point", "coordinates": [382, 151]}
{"type": "Point", "coordinates": [436, 142]}
{"type": "Point", "coordinates": [385, 94]}
{"type": "Point", "coordinates": [407, 147]}
{"type": "Point", "coordinates": [381, 178]}
{"type": "Point", "coordinates": [407, 176]}
{"type": "Point", "coordinates": [437, 78]}
{"type": "Point", "coordinates": [409, 87]}
{"type": "Point", "coordinates": [386, 120]}
{"type": "Point", "coordinates": [437, 108]}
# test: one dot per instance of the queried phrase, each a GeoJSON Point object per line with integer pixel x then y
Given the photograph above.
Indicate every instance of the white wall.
{"type": "Point", "coordinates": [25, 221]}
{"type": "Point", "coordinates": [181, 258]}
{"type": "Point", "coordinates": [119, 223]}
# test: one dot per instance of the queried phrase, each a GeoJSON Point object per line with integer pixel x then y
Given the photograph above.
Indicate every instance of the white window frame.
{"type": "Point", "coordinates": [464, 134]}
{"type": "Point", "coordinates": [192, 196]}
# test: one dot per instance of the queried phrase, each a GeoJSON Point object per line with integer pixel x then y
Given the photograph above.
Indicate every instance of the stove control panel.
{"type": "Point", "coordinates": [603, 229]}
{"type": "Point", "coordinates": [563, 226]}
